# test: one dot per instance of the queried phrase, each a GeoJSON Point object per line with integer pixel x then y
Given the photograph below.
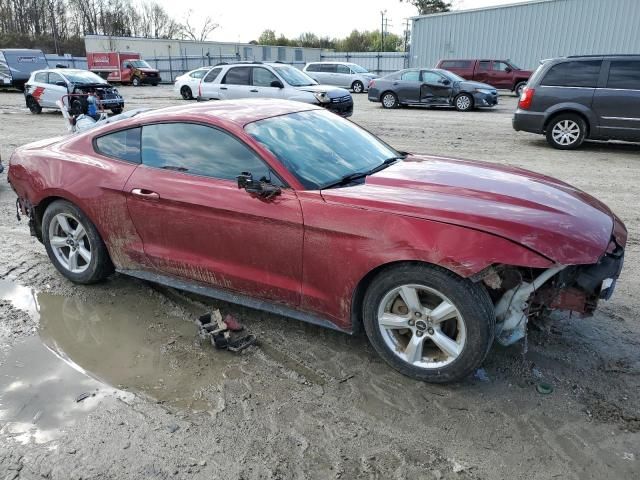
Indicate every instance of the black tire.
{"type": "Point", "coordinates": [357, 87]}
{"type": "Point", "coordinates": [33, 105]}
{"type": "Point", "coordinates": [391, 100]}
{"type": "Point", "coordinates": [100, 266]}
{"type": "Point", "coordinates": [186, 93]}
{"type": "Point", "coordinates": [155, 84]}
{"type": "Point", "coordinates": [576, 127]}
{"type": "Point", "coordinates": [463, 102]}
{"type": "Point", "coordinates": [135, 81]}
{"type": "Point", "coordinates": [117, 110]}
{"type": "Point", "coordinates": [470, 299]}
{"type": "Point", "coordinates": [519, 87]}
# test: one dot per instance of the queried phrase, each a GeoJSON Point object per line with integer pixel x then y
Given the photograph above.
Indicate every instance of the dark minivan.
{"type": "Point", "coordinates": [571, 99]}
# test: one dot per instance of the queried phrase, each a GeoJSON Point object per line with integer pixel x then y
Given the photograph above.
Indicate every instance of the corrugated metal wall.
{"type": "Point", "coordinates": [529, 32]}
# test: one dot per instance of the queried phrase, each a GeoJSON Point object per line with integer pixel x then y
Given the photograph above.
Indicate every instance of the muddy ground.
{"type": "Point", "coordinates": [308, 402]}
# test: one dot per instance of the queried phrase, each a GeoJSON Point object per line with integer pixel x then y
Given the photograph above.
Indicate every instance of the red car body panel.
{"type": "Point", "coordinates": [309, 250]}
{"type": "Point", "coordinates": [472, 70]}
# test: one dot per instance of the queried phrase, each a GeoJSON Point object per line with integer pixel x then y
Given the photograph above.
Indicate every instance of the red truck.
{"type": "Point", "coordinates": [123, 68]}
{"type": "Point", "coordinates": [497, 73]}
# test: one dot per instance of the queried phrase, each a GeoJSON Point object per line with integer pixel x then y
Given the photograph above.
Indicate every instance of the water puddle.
{"type": "Point", "coordinates": [128, 344]}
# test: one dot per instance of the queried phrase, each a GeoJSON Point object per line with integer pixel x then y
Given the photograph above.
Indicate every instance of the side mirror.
{"type": "Point", "coordinates": [508, 70]}
{"type": "Point", "coordinates": [277, 84]}
{"type": "Point", "coordinates": [259, 188]}
{"type": "Point", "coordinates": [60, 83]}
{"type": "Point", "coordinates": [446, 81]}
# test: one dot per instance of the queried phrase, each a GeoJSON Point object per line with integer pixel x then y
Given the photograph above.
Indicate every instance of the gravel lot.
{"type": "Point", "coordinates": [309, 403]}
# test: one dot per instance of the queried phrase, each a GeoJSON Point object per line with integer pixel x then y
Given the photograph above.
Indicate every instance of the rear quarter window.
{"type": "Point", "coordinates": [573, 74]}
{"type": "Point", "coordinates": [123, 145]}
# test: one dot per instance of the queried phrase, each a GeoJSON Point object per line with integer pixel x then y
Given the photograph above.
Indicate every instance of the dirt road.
{"type": "Point", "coordinates": [308, 403]}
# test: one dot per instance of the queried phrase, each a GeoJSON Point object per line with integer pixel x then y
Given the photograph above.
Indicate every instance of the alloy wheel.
{"type": "Point", "coordinates": [421, 326]}
{"type": "Point", "coordinates": [70, 243]}
{"type": "Point", "coordinates": [389, 100]}
{"type": "Point", "coordinates": [566, 132]}
{"type": "Point", "coordinates": [357, 87]}
{"type": "Point", "coordinates": [463, 102]}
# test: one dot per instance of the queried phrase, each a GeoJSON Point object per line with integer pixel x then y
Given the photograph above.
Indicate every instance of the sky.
{"type": "Point", "coordinates": [244, 20]}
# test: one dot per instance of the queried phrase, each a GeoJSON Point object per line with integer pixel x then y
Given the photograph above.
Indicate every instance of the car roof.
{"type": "Point", "coordinates": [59, 70]}
{"type": "Point", "coordinates": [239, 112]}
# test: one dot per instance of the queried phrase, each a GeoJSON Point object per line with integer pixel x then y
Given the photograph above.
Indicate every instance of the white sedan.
{"type": "Point", "coordinates": [187, 85]}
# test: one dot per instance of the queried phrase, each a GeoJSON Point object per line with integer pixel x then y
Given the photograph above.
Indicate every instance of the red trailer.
{"type": "Point", "coordinates": [123, 67]}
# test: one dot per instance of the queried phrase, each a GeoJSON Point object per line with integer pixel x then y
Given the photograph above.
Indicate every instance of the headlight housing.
{"type": "Point", "coordinates": [486, 91]}
{"type": "Point", "coordinates": [322, 97]}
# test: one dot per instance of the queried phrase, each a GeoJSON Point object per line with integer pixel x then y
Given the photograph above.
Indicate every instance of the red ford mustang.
{"type": "Point", "coordinates": [288, 208]}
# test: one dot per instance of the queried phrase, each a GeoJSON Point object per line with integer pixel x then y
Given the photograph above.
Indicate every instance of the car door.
{"type": "Point", "coordinates": [125, 72]}
{"type": "Point", "coordinates": [314, 70]}
{"type": "Point", "coordinates": [328, 72]}
{"type": "Point", "coordinates": [262, 80]}
{"type": "Point", "coordinates": [194, 78]}
{"type": "Point", "coordinates": [435, 88]}
{"type": "Point", "coordinates": [56, 88]}
{"type": "Point", "coordinates": [500, 75]}
{"type": "Point", "coordinates": [407, 87]}
{"type": "Point", "coordinates": [481, 73]}
{"type": "Point", "coordinates": [236, 83]}
{"type": "Point", "coordinates": [208, 86]}
{"type": "Point", "coordinates": [617, 103]}
{"type": "Point", "coordinates": [197, 224]}
{"type": "Point", "coordinates": [343, 76]}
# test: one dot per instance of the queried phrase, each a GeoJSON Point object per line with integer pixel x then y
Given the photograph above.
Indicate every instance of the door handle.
{"type": "Point", "coordinates": [146, 194]}
{"type": "Point", "coordinates": [254, 91]}
{"type": "Point", "coordinates": [223, 88]}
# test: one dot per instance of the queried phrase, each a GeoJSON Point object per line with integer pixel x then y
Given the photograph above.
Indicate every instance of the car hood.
{"type": "Point", "coordinates": [330, 90]}
{"type": "Point", "coordinates": [470, 85]}
{"type": "Point", "coordinates": [545, 215]}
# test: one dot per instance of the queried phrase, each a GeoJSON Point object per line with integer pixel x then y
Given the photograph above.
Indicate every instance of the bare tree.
{"type": "Point", "coordinates": [199, 34]}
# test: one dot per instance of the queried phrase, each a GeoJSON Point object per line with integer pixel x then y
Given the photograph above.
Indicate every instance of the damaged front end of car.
{"type": "Point", "coordinates": [522, 294]}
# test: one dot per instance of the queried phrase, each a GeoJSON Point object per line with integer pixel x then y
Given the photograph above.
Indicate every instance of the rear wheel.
{"type": "Point", "coordinates": [186, 93]}
{"type": "Point", "coordinates": [389, 100]}
{"type": "Point", "coordinates": [74, 244]}
{"type": "Point", "coordinates": [357, 87]}
{"type": "Point", "coordinates": [117, 110]}
{"type": "Point", "coordinates": [566, 131]}
{"type": "Point", "coordinates": [33, 105]}
{"type": "Point", "coordinates": [464, 102]}
{"type": "Point", "coordinates": [428, 323]}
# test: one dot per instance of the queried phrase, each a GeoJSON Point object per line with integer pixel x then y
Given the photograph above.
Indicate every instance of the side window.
{"type": "Point", "coordinates": [501, 66]}
{"type": "Point", "coordinates": [126, 65]}
{"type": "Point", "coordinates": [484, 66]}
{"type": "Point", "coordinates": [199, 150]}
{"type": "Point", "coordinates": [573, 74]}
{"type": "Point", "coordinates": [123, 145]}
{"type": "Point", "coordinates": [328, 68]}
{"type": "Point", "coordinates": [197, 74]}
{"type": "Point", "coordinates": [54, 78]}
{"type": "Point", "coordinates": [411, 76]}
{"type": "Point", "coordinates": [263, 77]}
{"type": "Point", "coordinates": [40, 77]}
{"type": "Point", "coordinates": [343, 69]}
{"type": "Point", "coordinates": [431, 78]}
{"type": "Point", "coordinates": [624, 75]}
{"type": "Point", "coordinates": [237, 76]}
{"type": "Point", "coordinates": [314, 67]}
{"type": "Point", "coordinates": [212, 75]}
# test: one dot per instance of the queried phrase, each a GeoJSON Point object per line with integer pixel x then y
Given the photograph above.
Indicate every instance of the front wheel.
{"type": "Point", "coordinates": [519, 88]}
{"type": "Point", "coordinates": [357, 87]}
{"type": "Point", "coordinates": [566, 132]}
{"type": "Point", "coordinates": [464, 102]}
{"type": "Point", "coordinates": [135, 82]}
{"type": "Point", "coordinates": [389, 100]}
{"type": "Point", "coordinates": [428, 323]}
{"type": "Point", "coordinates": [117, 110]}
{"type": "Point", "coordinates": [74, 245]}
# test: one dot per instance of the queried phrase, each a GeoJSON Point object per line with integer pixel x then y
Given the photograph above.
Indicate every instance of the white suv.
{"type": "Point", "coordinates": [272, 80]}
{"type": "Point", "coordinates": [342, 74]}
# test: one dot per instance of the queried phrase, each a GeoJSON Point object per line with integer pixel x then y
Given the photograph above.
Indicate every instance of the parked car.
{"type": "Point", "coordinates": [572, 99]}
{"type": "Point", "coordinates": [498, 73]}
{"type": "Point", "coordinates": [188, 84]}
{"type": "Point", "coordinates": [125, 68]}
{"type": "Point", "coordinates": [434, 88]}
{"type": "Point", "coordinates": [342, 74]}
{"type": "Point", "coordinates": [272, 80]}
{"type": "Point", "coordinates": [16, 65]}
{"type": "Point", "coordinates": [288, 208]}
{"type": "Point", "coordinates": [46, 87]}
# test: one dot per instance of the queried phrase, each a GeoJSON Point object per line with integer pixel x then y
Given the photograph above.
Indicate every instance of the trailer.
{"type": "Point", "coordinates": [123, 67]}
{"type": "Point", "coordinates": [16, 65]}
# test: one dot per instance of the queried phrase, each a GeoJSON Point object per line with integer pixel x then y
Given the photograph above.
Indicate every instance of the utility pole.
{"type": "Point", "coordinates": [383, 13]}
{"type": "Point", "coordinates": [406, 34]}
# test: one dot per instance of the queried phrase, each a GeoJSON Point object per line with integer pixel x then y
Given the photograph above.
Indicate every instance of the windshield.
{"type": "Point", "coordinates": [294, 77]}
{"type": "Point", "coordinates": [83, 77]}
{"type": "Point", "coordinates": [358, 68]}
{"type": "Point", "coordinates": [514, 66]}
{"type": "Point", "coordinates": [140, 64]}
{"type": "Point", "coordinates": [319, 147]}
{"type": "Point", "coordinates": [452, 76]}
